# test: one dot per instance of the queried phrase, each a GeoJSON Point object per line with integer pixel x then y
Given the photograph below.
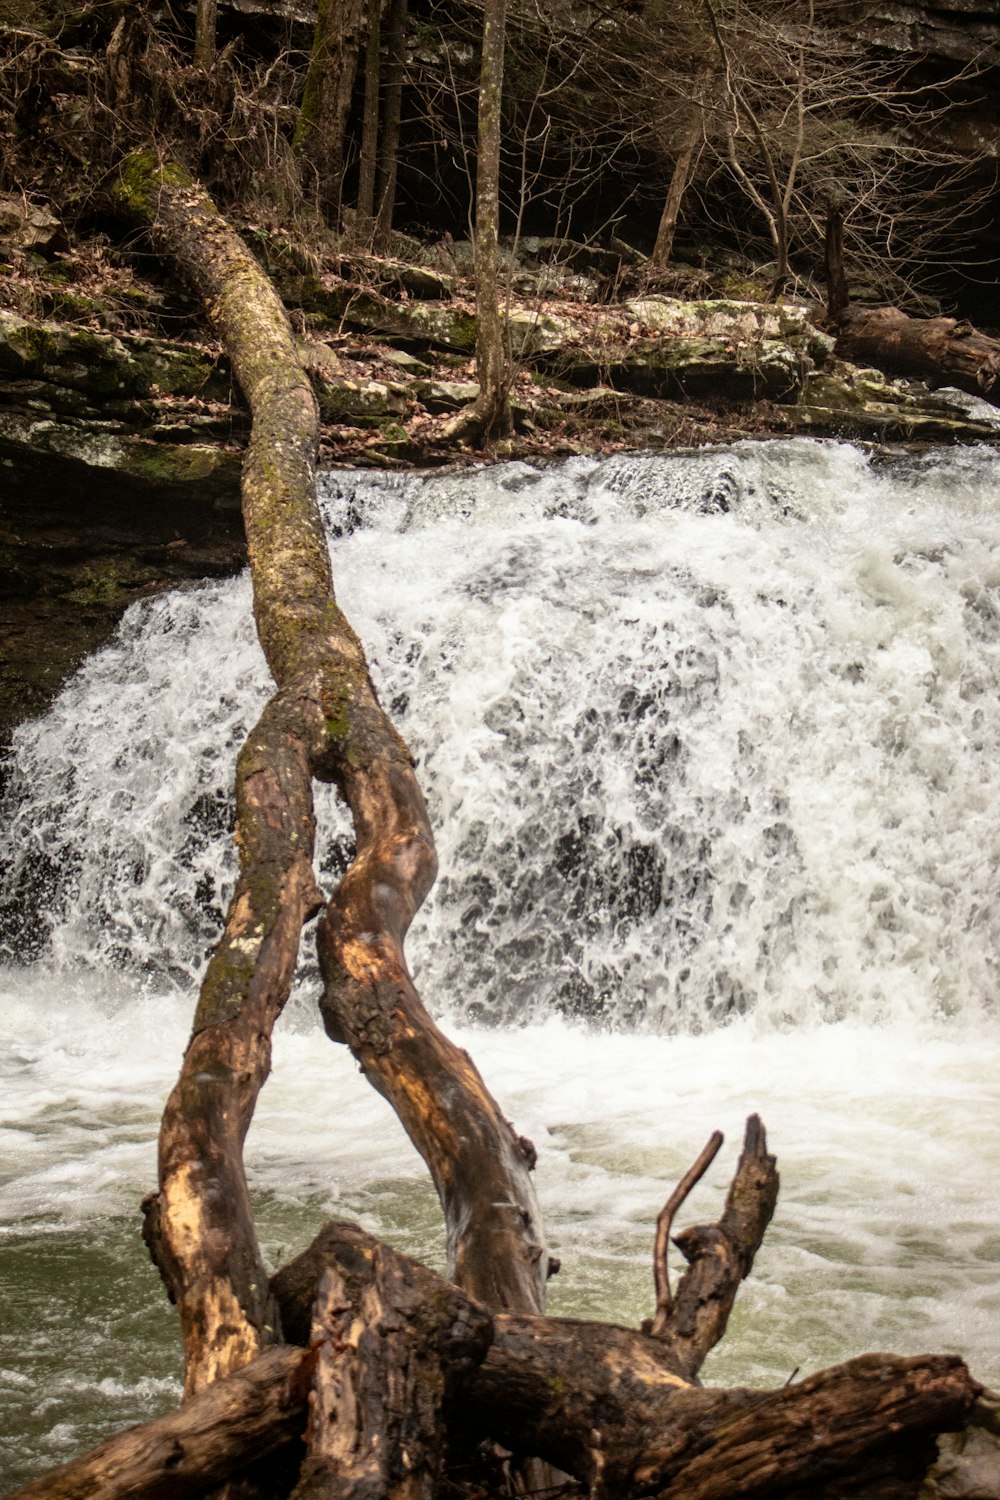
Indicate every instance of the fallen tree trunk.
{"type": "Point", "coordinates": [324, 721]}
{"type": "Point", "coordinates": [941, 351]}
{"type": "Point", "coordinates": [604, 1403]}
{"type": "Point", "coordinates": [612, 1406]}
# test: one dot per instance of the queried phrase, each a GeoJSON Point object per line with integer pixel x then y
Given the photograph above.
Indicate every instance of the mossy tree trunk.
{"type": "Point", "coordinates": [326, 100]}
{"type": "Point", "coordinates": [324, 721]}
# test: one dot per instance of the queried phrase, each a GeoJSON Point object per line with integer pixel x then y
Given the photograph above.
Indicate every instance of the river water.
{"type": "Point", "coordinates": [712, 748]}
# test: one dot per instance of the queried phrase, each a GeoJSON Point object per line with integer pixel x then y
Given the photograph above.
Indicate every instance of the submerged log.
{"type": "Point", "coordinates": [941, 351]}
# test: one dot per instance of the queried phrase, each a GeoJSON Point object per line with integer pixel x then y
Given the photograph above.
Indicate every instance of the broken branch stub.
{"type": "Point", "coordinates": [719, 1255]}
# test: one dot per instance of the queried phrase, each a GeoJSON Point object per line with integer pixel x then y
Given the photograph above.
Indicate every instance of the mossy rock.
{"type": "Point", "coordinates": [847, 401]}
{"type": "Point", "coordinates": [213, 471]}
{"type": "Point", "coordinates": [104, 364]}
{"type": "Point", "coordinates": [359, 402]}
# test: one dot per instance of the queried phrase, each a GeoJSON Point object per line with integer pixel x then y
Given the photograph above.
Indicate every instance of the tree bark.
{"type": "Point", "coordinates": [490, 415]}
{"type": "Point", "coordinates": [384, 1358]}
{"type": "Point", "coordinates": [326, 98]}
{"type": "Point", "coordinates": [837, 295]}
{"type": "Point", "coordinates": [206, 15]}
{"type": "Point", "coordinates": [675, 197]}
{"type": "Point", "coordinates": [389, 149]}
{"type": "Point", "coordinates": [324, 721]}
{"type": "Point", "coordinates": [939, 350]}
{"type": "Point", "coordinates": [369, 130]}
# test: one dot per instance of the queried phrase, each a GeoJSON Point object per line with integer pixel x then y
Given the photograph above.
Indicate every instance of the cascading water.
{"type": "Point", "coordinates": [711, 748]}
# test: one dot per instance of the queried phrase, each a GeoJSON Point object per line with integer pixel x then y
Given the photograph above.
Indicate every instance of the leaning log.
{"type": "Point", "coordinates": [941, 351]}
{"type": "Point", "coordinates": [323, 722]}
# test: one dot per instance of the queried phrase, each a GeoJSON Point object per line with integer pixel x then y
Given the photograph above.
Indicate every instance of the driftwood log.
{"type": "Point", "coordinates": [604, 1403]}
{"type": "Point", "coordinates": [941, 351]}
{"type": "Point", "coordinates": [379, 1364]}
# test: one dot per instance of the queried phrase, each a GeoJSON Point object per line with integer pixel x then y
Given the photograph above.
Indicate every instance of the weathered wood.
{"type": "Point", "coordinates": [664, 1224]}
{"type": "Point", "coordinates": [199, 1225]}
{"type": "Point", "coordinates": [384, 1358]}
{"type": "Point", "coordinates": [771, 1444]}
{"type": "Point", "coordinates": [324, 721]}
{"type": "Point", "coordinates": [939, 350]}
{"type": "Point", "coordinates": [719, 1255]}
{"type": "Point", "coordinates": [237, 1421]}
{"type": "Point", "coordinates": [604, 1403]}
{"type": "Point", "coordinates": [610, 1406]}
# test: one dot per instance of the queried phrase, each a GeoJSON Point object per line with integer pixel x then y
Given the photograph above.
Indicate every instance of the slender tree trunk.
{"type": "Point", "coordinates": [389, 149]}
{"type": "Point", "coordinates": [837, 295]}
{"type": "Point", "coordinates": [489, 416]}
{"type": "Point", "coordinates": [326, 99]}
{"type": "Point", "coordinates": [369, 131]}
{"type": "Point", "coordinates": [675, 196]}
{"type": "Point", "coordinates": [492, 362]}
{"type": "Point", "coordinates": [204, 34]}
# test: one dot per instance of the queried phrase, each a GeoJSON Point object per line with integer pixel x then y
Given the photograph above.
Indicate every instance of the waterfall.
{"type": "Point", "coordinates": [701, 736]}
{"type": "Point", "coordinates": [711, 744]}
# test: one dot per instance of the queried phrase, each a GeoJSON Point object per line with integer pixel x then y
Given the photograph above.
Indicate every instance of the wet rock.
{"type": "Point", "coordinates": [845, 401]}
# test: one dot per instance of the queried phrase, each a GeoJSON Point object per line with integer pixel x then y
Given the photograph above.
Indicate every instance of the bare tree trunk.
{"type": "Point", "coordinates": [369, 131]}
{"type": "Point", "coordinates": [389, 150]}
{"type": "Point", "coordinates": [675, 196]}
{"type": "Point", "coordinates": [837, 295]}
{"type": "Point", "coordinates": [204, 34]}
{"type": "Point", "coordinates": [490, 415]}
{"type": "Point", "coordinates": [326, 98]}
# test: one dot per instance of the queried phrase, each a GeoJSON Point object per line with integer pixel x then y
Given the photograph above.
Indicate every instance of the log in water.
{"type": "Point", "coordinates": [711, 748]}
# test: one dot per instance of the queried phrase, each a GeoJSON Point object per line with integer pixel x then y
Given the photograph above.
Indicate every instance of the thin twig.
{"type": "Point", "coordinates": [664, 1223]}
